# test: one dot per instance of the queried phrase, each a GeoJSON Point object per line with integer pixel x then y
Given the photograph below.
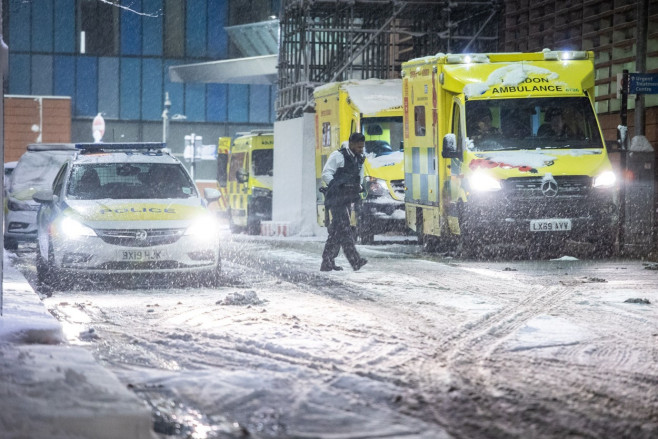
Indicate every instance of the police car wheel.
{"type": "Point", "coordinates": [214, 278]}
{"type": "Point", "coordinates": [10, 244]}
{"type": "Point", "coordinates": [42, 270]}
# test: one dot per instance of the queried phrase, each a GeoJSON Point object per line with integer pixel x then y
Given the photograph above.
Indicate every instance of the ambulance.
{"type": "Point", "coordinates": [247, 180]}
{"type": "Point", "coordinates": [506, 147]}
{"type": "Point", "coordinates": [374, 108]}
{"type": "Point", "coordinates": [125, 208]}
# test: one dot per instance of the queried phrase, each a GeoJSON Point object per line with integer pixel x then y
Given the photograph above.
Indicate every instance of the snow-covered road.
{"type": "Point", "coordinates": [412, 346]}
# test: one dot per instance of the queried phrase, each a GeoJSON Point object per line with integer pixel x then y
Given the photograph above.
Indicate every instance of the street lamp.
{"type": "Point", "coordinates": [165, 118]}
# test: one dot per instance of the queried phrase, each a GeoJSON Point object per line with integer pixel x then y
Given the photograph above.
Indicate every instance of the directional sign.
{"type": "Point", "coordinates": [643, 83]}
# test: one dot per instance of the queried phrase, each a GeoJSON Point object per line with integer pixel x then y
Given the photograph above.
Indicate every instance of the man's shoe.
{"type": "Point", "coordinates": [337, 268]}
{"type": "Point", "coordinates": [326, 267]}
{"type": "Point", "coordinates": [360, 263]}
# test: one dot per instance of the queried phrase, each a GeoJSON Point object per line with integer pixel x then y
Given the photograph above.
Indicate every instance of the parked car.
{"type": "Point", "coordinates": [9, 168]}
{"type": "Point", "coordinates": [125, 208]}
{"type": "Point", "coordinates": [35, 171]}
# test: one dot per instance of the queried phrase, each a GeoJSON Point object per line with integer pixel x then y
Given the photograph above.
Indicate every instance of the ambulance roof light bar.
{"type": "Point", "coordinates": [563, 55]}
{"type": "Point", "coordinates": [467, 58]}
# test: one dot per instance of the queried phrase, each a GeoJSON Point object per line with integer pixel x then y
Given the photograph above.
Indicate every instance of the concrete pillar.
{"type": "Point", "coordinates": [293, 192]}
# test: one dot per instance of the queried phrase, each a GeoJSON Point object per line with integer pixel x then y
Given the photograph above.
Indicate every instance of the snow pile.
{"type": "Point", "coordinates": [374, 95]}
{"type": "Point", "coordinates": [531, 158]}
{"type": "Point", "coordinates": [237, 298]}
{"type": "Point", "coordinates": [385, 160]}
{"type": "Point", "coordinates": [510, 76]}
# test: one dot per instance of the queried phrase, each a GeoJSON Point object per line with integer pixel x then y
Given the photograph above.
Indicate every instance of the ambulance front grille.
{"type": "Point", "coordinates": [140, 237]}
{"type": "Point", "coordinates": [531, 187]}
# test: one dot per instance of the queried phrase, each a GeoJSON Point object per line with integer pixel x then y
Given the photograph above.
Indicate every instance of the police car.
{"type": "Point", "coordinates": [125, 208]}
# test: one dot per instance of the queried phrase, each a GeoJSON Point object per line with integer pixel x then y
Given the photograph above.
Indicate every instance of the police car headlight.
{"type": "Point", "coordinates": [483, 182]}
{"type": "Point", "coordinates": [605, 180]}
{"type": "Point", "coordinates": [72, 228]}
{"type": "Point", "coordinates": [203, 228]}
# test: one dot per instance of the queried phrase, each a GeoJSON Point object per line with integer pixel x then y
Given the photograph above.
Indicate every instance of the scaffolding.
{"type": "Point", "coordinates": [324, 41]}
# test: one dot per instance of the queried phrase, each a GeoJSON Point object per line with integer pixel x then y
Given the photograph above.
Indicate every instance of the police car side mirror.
{"type": "Point", "coordinates": [242, 176]}
{"type": "Point", "coordinates": [44, 197]}
{"type": "Point", "coordinates": [211, 194]}
{"type": "Point", "coordinates": [450, 150]}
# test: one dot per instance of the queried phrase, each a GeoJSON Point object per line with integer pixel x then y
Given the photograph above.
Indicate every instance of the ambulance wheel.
{"type": "Point", "coordinates": [367, 238]}
{"type": "Point", "coordinates": [365, 233]}
{"type": "Point", "coordinates": [605, 247]}
{"type": "Point", "coordinates": [253, 227]}
{"type": "Point", "coordinates": [467, 240]}
{"type": "Point", "coordinates": [420, 233]}
{"type": "Point", "coordinates": [232, 226]}
{"type": "Point", "coordinates": [215, 276]}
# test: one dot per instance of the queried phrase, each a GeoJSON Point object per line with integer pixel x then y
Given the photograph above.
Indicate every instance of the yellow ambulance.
{"type": "Point", "coordinates": [374, 108]}
{"type": "Point", "coordinates": [246, 181]}
{"type": "Point", "coordinates": [506, 147]}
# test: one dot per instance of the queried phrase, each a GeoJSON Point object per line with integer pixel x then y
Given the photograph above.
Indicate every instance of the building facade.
{"type": "Point", "coordinates": [610, 28]}
{"type": "Point", "coordinates": [114, 59]}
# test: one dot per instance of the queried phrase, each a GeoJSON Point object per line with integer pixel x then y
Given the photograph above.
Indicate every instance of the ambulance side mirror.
{"type": "Point", "coordinates": [211, 194]}
{"type": "Point", "coordinates": [242, 176]}
{"type": "Point", "coordinates": [450, 150]}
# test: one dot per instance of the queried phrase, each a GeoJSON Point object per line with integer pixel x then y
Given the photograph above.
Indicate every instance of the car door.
{"type": "Point", "coordinates": [49, 211]}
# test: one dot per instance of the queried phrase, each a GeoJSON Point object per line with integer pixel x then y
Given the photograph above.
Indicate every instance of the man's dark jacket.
{"type": "Point", "coordinates": [346, 186]}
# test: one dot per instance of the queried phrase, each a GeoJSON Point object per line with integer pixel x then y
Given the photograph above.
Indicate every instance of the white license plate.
{"type": "Point", "coordinates": [550, 225]}
{"type": "Point", "coordinates": [140, 255]}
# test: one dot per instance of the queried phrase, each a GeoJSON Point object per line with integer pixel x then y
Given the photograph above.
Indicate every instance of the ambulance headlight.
{"type": "Point", "coordinates": [483, 182]}
{"type": "Point", "coordinates": [73, 229]}
{"type": "Point", "coordinates": [376, 187]}
{"type": "Point", "coordinates": [203, 228]}
{"type": "Point", "coordinates": [605, 179]}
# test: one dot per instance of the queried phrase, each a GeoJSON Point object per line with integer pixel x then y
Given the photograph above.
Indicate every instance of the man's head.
{"type": "Point", "coordinates": [480, 120]}
{"type": "Point", "coordinates": [357, 142]}
{"type": "Point", "coordinates": [554, 116]}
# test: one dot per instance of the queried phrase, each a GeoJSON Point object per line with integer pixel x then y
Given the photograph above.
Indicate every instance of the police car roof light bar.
{"type": "Point", "coordinates": [135, 146]}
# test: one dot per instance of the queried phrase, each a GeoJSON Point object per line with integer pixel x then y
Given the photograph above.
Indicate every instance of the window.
{"type": "Point", "coordinates": [98, 25]}
{"type": "Point", "coordinates": [419, 120]}
{"type": "Point", "coordinates": [326, 134]}
{"type": "Point", "coordinates": [237, 163]}
{"type": "Point", "coordinates": [456, 126]}
{"type": "Point", "coordinates": [174, 29]}
{"type": "Point", "coordinates": [262, 162]}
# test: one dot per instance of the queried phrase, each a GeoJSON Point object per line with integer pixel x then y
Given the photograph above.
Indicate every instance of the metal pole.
{"type": "Point", "coordinates": [622, 135]}
{"type": "Point", "coordinates": [193, 166]}
{"type": "Point", "coordinates": [165, 118]}
{"type": "Point", "coordinates": [4, 61]}
{"type": "Point", "coordinates": [641, 62]}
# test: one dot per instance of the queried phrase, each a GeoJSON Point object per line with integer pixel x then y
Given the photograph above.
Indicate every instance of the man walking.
{"type": "Point", "coordinates": [342, 174]}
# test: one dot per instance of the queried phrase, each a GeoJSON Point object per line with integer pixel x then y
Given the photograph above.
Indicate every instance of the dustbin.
{"type": "Point", "coordinates": [639, 206]}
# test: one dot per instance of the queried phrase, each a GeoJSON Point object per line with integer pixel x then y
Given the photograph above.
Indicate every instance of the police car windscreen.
{"type": "Point", "coordinates": [531, 123]}
{"type": "Point", "coordinates": [129, 181]}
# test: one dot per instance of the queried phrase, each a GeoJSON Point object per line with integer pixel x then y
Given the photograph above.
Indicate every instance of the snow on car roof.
{"type": "Point", "coordinates": [125, 157]}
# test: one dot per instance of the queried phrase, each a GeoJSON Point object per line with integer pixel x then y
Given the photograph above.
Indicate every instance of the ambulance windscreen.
{"type": "Point", "coordinates": [531, 123]}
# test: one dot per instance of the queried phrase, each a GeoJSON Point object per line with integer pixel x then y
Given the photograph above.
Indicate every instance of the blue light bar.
{"type": "Point", "coordinates": [136, 146]}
